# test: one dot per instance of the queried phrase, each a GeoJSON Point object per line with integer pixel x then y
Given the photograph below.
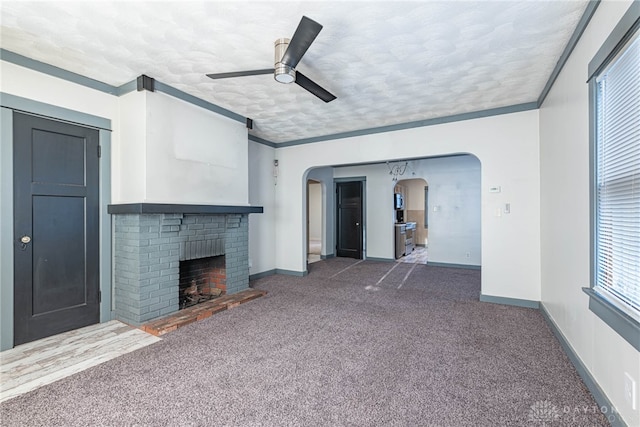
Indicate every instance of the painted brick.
{"type": "Point", "coordinates": [169, 246]}
{"type": "Point", "coordinates": [146, 259]}
{"type": "Point", "coordinates": [159, 305]}
{"type": "Point", "coordinates": [168, 296]}
{"type": "Point", "coordinates": [149, 249]}
{"type": "Point", "coordinates": [149, 275]}
{"type": "Point", "coordinates": [164, 294]}
{"type": "Point", "coordinates": [168, 310]}
{"type": "Point", "coordinates": [158, 267]}
{"type": "Point", "coordinates": [148, 289]}
{"type": "Point", "coordinates": [159, 279]}
{"type": "Point", "coordinates": [148, 316]}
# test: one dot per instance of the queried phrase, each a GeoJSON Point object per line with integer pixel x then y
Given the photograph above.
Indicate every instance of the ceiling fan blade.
{"type": "Point", "coordinates": [241, 73]}
{"type": "Point", "coordinates": [306, 83]}
{"type": "Point", "coordinates": [305, 34]}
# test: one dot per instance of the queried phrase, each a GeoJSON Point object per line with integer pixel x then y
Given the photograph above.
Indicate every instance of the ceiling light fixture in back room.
{"type": "Point", "coordinates": [398, 169]}
{"type": "Point", "coordinates": [288, 54]}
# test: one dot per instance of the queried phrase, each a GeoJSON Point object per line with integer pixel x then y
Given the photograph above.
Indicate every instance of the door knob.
{"type": "Point", "coordinates": [357, 223]}
{"type": "Point", "coordinates": [24, 241]}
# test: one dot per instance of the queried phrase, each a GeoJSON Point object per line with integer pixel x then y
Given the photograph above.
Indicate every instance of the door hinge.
{"type": "Point", "coordinates": [99, 151]}
{"type": "Point", "coordinates": [99, 296]}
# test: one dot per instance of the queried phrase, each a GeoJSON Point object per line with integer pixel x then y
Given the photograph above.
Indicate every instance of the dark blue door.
{"type": "Point", "coordinates": [349, 221]}
{"type": "Point", "coordinates": [56, 211]}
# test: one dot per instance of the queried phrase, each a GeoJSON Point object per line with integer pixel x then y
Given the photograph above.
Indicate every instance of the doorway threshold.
{"type": "Point", "coordinates": [32, 365]}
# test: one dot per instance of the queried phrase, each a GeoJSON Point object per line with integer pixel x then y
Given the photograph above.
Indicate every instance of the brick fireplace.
{"type": "Point", "coordinates": [150, 242]}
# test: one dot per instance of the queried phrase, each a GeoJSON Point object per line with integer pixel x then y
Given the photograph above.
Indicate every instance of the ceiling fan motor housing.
{"type": "Point", "coordinates": [282, 73]}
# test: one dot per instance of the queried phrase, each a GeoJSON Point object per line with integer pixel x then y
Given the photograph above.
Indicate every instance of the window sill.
{"type": "Point", "coordinates": [627, 327]}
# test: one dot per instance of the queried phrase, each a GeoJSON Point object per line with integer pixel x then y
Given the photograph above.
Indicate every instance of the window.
{"type": "Point", "coordinates": [615, 114]}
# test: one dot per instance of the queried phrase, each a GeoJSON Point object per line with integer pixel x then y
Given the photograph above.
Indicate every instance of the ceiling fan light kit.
{"type": "Point", "coordinates": [288, 52]}
{"type": "Point", "coordinates": [282, 72]}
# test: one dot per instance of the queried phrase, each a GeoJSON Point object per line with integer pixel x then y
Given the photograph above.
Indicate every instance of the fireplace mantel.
{"type": "Point", "coordinates": [169, 208]}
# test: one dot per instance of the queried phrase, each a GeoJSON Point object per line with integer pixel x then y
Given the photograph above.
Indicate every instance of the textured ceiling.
{"type": "Point", "coordinates": [388, 62]}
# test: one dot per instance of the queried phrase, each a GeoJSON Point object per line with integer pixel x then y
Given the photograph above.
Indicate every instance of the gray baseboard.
{"type": "Point", "coordinates": [602, 400]}
{"type": "Point", "coordinates": [381, 259]}
{"type": "Point", "coordinates": [510, 301]}
{"type": "Point", "coordinates": [291, 272]}
{"type": "Point", "coordinates": [262, 274]}
{"type": "Point", "coordinates": [277, 271]}
{"type": "Point", "coordinates": [446, 264]}
{"type": "Point", "coordinates": [327, 256]}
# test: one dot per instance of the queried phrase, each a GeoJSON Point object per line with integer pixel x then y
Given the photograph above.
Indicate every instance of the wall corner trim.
{"type": "Point", "coordinates": [145, 83]}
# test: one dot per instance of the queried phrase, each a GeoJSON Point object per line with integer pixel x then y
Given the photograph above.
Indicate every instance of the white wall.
{"type": "Point", "coordinates": [564, 165]}
{"type": "Point", "coordinates": [454, 188]}
{"type": "Point", "coordinates": [262, 233]}
{"type": "Point", "coordinates": [507, 147]}
{"type": "Point", "coordinates": [194, 155]}
{"type": "Point", "coordinates": [129, 177]}
{"type": "Point", "coordinates": [20, 81]}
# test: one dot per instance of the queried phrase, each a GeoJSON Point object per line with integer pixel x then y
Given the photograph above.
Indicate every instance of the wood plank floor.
{"type": "Point", "coordinates": [29, 366]}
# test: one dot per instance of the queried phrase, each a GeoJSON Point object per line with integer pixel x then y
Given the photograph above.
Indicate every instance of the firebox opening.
{"type": "Point", "coordinates": [201, 280]}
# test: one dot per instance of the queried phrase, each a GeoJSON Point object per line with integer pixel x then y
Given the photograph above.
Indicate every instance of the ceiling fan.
{"type": "Point", "coordinates": [287, 55]}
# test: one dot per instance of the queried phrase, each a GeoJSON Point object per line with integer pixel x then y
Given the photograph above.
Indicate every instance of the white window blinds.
{"type": "Point", "coordinates": [618, 178]}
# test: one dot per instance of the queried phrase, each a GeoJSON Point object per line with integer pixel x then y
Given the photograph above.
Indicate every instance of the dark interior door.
{"type": "Point", "coordinates": [56, 211]}
{"type": "Point", "coordinates": [349, 219]}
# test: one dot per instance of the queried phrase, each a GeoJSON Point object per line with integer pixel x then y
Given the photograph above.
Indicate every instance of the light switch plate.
{"type": "Point", "coordinates": [630, 390]}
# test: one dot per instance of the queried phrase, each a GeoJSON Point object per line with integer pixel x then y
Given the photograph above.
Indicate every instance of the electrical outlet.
{"type": "Point", "coordinates": [630, 390]}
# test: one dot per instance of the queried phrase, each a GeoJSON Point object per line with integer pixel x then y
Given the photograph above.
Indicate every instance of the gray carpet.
{"type": "Point", "coordinates": [335, 349]}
